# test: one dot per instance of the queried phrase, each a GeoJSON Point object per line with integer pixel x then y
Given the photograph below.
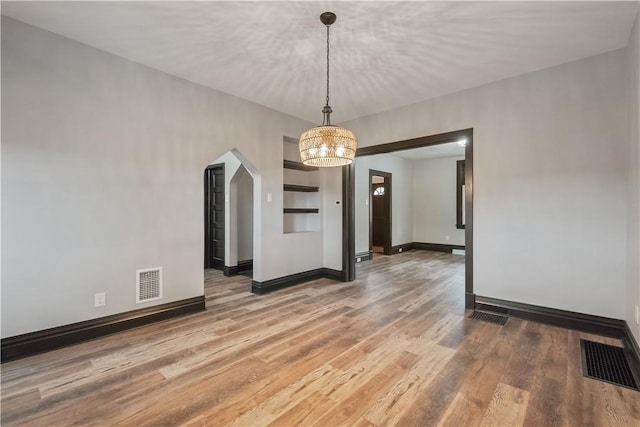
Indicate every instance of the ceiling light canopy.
{"type": "Point", "coordinates": [327, 145]}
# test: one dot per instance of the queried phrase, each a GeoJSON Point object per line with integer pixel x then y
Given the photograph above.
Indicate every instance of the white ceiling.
{"type": "Point", "coordinates": [384, 54]}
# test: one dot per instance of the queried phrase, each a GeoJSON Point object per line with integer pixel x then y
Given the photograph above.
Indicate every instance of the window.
{"type": "Point", "coordinates": [460, 194]}
{"type": "Point", "coordinates": [378, 191]}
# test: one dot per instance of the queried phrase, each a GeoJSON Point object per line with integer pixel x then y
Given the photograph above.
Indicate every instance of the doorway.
{"type": "Point", "coordinates": [379, 212]}
{"type": "Point", "coordinates": [240, 223]}
{"type": "Point", "coordinates": [349, 197]}
{"type": "Point", "coordinates": [214, 224]}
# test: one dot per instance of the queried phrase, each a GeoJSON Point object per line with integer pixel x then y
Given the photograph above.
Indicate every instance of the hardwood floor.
{"type": "Point", "coordinates": [392, 348]}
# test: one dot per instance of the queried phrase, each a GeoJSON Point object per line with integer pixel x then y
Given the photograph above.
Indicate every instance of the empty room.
{"type": "Point", "coordinates": [328, 213]}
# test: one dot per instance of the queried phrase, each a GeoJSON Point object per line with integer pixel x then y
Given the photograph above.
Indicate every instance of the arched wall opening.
{"type": "Point", "coordinates": [242, 214]}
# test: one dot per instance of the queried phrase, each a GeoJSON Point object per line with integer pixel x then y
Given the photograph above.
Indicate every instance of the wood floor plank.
{"type": "Point", "coordinates": [507, 407]}
{"type": "Point", "coordinates": [394, 347]}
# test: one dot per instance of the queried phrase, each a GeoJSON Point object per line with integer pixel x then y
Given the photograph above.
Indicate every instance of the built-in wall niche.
{"type": "Point", "coordinates": [301, 192]}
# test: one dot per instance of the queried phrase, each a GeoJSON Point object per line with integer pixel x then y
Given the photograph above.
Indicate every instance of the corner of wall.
{"type": "Point", "coordinates": [633, 181]}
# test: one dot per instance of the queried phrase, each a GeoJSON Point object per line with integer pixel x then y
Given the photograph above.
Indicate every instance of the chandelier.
{"type": "Point", "coordinates": [327, 145]}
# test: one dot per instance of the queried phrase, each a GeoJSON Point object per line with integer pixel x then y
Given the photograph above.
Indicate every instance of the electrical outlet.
{"type": "Point", "coordinates": [400, 250]}
{"type": "Point", "coordinates": [100, 299]}
{"type": "Point", "coordinates": [637, 315]}
{"type": "Point", "coordinates": [358, 259]}
{"type": "Point", "coordinates": [446, 238]}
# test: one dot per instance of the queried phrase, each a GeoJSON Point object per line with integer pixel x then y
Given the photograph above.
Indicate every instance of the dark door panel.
{"type": "Point", "coordinates": [214, 217]}
{"type": "Point", "coordinates": [377, 214]}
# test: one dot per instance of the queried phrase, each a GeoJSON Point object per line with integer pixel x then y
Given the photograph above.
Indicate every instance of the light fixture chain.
{"type": "Point", "coordinates": [327, 64]}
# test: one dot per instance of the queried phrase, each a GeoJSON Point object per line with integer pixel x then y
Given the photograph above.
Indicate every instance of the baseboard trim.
{"type": "Point", "coordinates": [589, 323]}
{"type": "Point", "coordinates": [245, 265]}
{"type": "Point", "coordinates": [566, 319]}
{"type": "Point", "coordinates": [364, 256]}
{"type": "Point", "coordinates": [230, 270]}
{"type": "Point", "coordinates": [421, 246]}
{"type": "Point", "coordinates": [330, 273]}
{"type": "Point", "coordinates": [32, 343]}
{"type": "Point", "coordinates": [237, 269]}
{"type": "Point", "coordinates": [261, 288]}
{"type": "Point", "coordinates": [397, 249]}
{"type": "Point", "coordinates": [437, 247]}
{"type": "Point", "coordinates": [469, 301]}
{"type": "Point", "coordinates": [633, 351]}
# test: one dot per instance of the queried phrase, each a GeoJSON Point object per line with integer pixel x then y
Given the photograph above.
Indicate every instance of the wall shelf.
{"type": "Point", "coordinates": [301, 195]}
{"type": "Point", "coordinates": [301, 188]}
{"type": "Point", "coordinates": [300, 210]}
{"type": "Point", "coordinates": [290, 164]}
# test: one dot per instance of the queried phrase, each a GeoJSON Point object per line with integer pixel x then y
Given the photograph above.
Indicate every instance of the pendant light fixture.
{"type": "Point", "coordinates": [327, 145]}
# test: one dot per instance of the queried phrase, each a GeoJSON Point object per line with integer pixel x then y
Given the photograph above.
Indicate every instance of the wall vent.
{"type": "Point", "coordinates": [488, 317]}
{"type": "Point", "coordinates": [148, 284]}
{"type": "Point", "coordinates": [606, 363]}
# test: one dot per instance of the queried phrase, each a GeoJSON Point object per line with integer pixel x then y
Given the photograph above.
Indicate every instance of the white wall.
{"type": "Point", "coordinates": [549, 180]}
{"type": "Point", "coordinates": [102, 174]}
{"type": "Point", "coordinates": [331, 186]}
{"type": "Point", "coordinates": [633, 188]}
{"type": "Point", "coordinates": [245, 215]}
{"type": "Point", "coordinates": [231, 167]}
{"type": "Point", "coordinates": [239, 208]}
{"type": "Point", "coordinates": [434, 201]}
{"type": "Point", "coordinates": [401, 198]}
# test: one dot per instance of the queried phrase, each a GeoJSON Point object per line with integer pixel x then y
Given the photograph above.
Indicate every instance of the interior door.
{"type": "Point", "coordinates": [214, 204]}
{"type": "Point", "coordinates": [378, 214]}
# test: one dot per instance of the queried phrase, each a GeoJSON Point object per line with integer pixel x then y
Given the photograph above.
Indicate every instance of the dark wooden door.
{"type": "Point", "coordinates": [378, 214]}
{"type": "Point", "coordinates": [214, 217]}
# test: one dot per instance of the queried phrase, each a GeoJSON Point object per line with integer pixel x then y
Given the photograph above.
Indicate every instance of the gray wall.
{"type": "Point", "coordinates": [633, 188]}
{"type": "Point", "coordinates": [401, 199]}
{"type": "Point", "coordinates": [245, 215]}
{"type": "Point", "coordinates": [237, 181]}
{"type": "Point", "coordinates": [549, 180]}
{"type": "Point", "coordinates": [102, 174]}
{"type": "Point", "coordinates": [423, 201]}
{"type": "Point", "coordinates": [434, 201]}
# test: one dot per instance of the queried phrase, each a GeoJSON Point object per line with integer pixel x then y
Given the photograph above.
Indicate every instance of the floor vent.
{"type": "Point", "coordinates": [606, 363]}
{"type": "Point", "coordinates": [486, 317]}
{"type": "Point", "coordinates": [148, 284]}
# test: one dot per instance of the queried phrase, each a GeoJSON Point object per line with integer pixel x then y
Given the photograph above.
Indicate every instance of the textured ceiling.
{"type": "Point", "coordinates": [384, 54]}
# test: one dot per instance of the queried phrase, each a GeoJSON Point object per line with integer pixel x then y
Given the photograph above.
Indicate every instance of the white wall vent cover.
{"type": "Point", "coordinates": [148, 284]}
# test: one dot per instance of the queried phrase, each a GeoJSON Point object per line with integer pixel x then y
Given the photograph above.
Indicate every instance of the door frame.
{"type": "Point", "coordinates": [387, 208]}
{"type": "Point", "coordinates": [209, 229]}
{"type": "Point", "coordinates": [348, 196]}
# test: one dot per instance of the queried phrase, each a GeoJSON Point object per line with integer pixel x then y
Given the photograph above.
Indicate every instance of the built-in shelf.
{"type": "Point", "coordinates": [301, 188]}
{"type": "Point", "coordinates": [300, 210]}
{"type": "Point", "coordinates": [290, 164]}
{"type": "Point", "coordinates": [301, 195]}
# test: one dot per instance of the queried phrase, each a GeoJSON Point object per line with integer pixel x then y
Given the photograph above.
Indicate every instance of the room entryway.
{"type": "Point", "coordinates": [214, 200]}
{"type": "Point", "coordinates": [380, 211]}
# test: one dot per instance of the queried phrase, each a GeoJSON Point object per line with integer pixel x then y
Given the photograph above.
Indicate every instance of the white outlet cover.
{"type": "Point", "coordinates": [269, 197]}
{"type": "Point", "coordinates": [637, 315]}
{"type": "Point", "coordinates": [100, 299]}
